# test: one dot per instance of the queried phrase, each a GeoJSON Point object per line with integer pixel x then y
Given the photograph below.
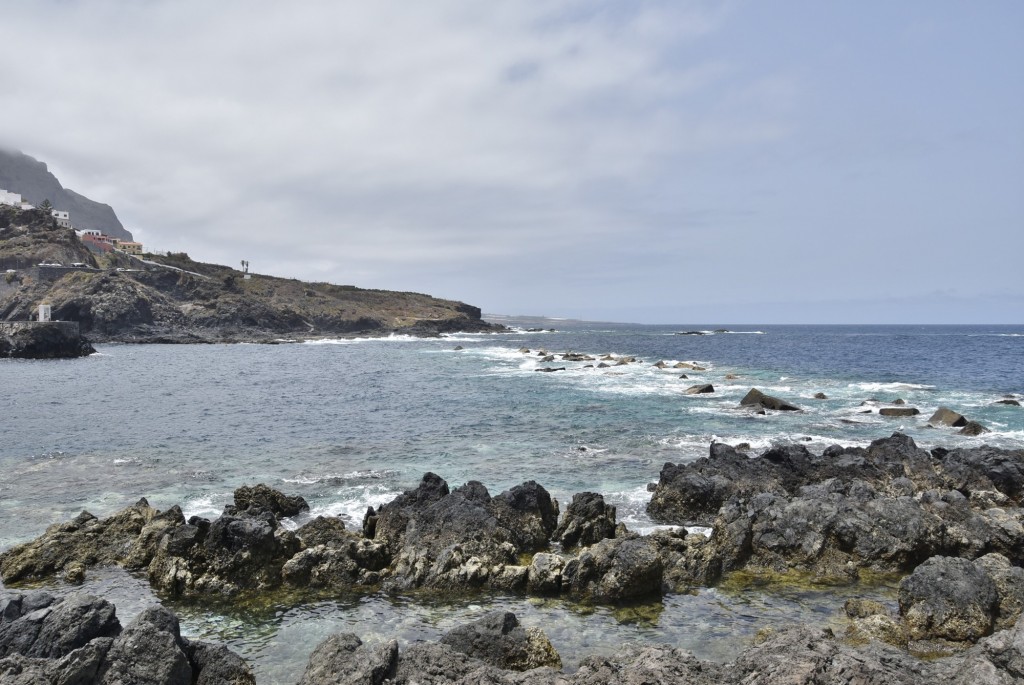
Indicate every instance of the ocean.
{"type": "Point", "coordinates": [349, 424]}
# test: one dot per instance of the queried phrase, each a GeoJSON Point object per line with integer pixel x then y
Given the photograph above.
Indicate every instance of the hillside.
{"type": "Point", "coordinates": [175, 299]}
{"type": "Point", "coordinates": [22, 174]}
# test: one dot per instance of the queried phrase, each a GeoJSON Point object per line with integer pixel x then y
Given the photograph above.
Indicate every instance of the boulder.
{"type": "Point", "coordinates": [660, 365]}
{"type": "Point", "coordinates": [756, 398]}
{"type": "Point", "coordinates": [230, 555]}
{"type": "Point", "coordinates": [78, 640]}
{"type": "Point", "coordinates": [1009, 583]}
{"type": "Point", "coordinates": [1011, 403]}
{"type": "Point", "coordinates": [465, 538]}
{"type": "Point", "coordinates": [587, 520]}
{"type": "Point", "coordinates": [899, 411]}
{"type": "Point", "coordinates": [973, 428]}
{"type": "Point", "coordinates": [149, 650]}
{"type": "Point", "coordinates": [545, 574]}
{"type": "Point", "coordinates": [323, 530]}
{"type": "Point", "coordinates": [343, 659]}
{"type": "Point", "coordinates": [820, 396]}
{"type": "Point", "coordinates": [498, 639]}
{"type": "Point", "coordinates": [260, 497]}
{"type": "Point", "coordinates": [39, 625]}
{"type": "Point", "coordinates": [944, 416]}
{"type": "Point", "coordinates": [548, 369]}
{"type": "Point", "coordinates": [700, 389]}
{"type": "Point", "coordinates": [615, 570]}
{"type": "Point", "coordinates": [948, 598]}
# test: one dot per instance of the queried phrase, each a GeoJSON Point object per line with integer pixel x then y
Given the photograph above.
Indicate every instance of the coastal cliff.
{"type": "Point", "coordinates": [173, 299]}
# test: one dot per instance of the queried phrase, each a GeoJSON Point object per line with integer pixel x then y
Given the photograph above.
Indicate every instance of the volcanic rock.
{"type": "Point", "coordinates": [899, 411]}
{"type": "Point", "coordinates": [756, 398]}
{"type": "Point", "coordinates": [947, 417]}
{"type": "Point", "coordinates": [587, 521]}
{"type": "Point", "coordinates": [498, 639]}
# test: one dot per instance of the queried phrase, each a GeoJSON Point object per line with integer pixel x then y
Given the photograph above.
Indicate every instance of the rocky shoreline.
{"type": "Point", "coordinates": [43, 341]}
{"type": "Point", "coordinates": [949, 522]}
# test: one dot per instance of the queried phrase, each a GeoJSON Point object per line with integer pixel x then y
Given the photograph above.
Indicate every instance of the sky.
{"type": "Point", "coordinates": [656, 162]}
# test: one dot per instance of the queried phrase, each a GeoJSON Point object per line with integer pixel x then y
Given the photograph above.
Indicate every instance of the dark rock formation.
{"type": "Point", "coordinates": [973, 428]}
{"type": "Point", "coordinates": [615, 570]}
{"type": "Point", "coordinates": [757, 399]}
{"type": "Point", "coordinates": [587, 521]}
{"type": "Point", "coordinates": [463, 538]}
{"type": "Point", "coordinates": [230, 555]}
{"type": "Point", "coordinates": [944, 416]}
{"type": "Point", "coordinates": [499, 640]}
{"type": "Point", "coordinates": [888, 507]}
{"type": "Point", "coordinates": [127, 538]}
{"type": "Point", "coordinates": [948, 598]}
{"type": "Point", "coordinates": [41, 341]}
{"type": "Point", "coordinates": [343, 659]}
{"type": "Point", "coordinates": [700, 389]}
{"type": "Point", "coordinates": [959, 600]}
{"type": "Point", "coordinates": [259, 498]}
{"type": "Point", "coordinates": [788, 655]}
{"type": "Point", "coordinates": [78, 640]}
{"type": "Point", "coordinates": [899, 411]}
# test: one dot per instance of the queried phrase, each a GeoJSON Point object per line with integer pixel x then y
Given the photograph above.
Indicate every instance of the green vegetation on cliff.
{"type": "Point", "coordinates": [175, 299]}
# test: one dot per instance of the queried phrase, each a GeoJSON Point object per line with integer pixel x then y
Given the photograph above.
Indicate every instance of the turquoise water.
{"type": "Point", "coordinates": [349, 424]}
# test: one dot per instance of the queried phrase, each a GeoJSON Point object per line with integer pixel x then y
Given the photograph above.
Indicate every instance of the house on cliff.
{"type": "Point", "coordinates": [63, 218]}
{"type": "Point", "coordinates": [13, 199]}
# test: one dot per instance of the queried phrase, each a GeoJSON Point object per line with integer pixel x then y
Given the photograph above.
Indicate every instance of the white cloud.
{"type": "Point", "coordinates": [399, 140]}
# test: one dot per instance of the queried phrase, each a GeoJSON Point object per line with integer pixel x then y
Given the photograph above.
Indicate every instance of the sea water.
{"type": "Point", "coordinates": [349, 424]}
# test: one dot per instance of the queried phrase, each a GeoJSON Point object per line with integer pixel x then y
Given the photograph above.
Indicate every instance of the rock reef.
{"type": "Point", "coordinates": [949, 521]}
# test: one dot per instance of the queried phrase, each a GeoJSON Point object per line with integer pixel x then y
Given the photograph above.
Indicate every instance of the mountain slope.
{"type": "Point", "coordinates": [22, 174]}
{"type": "Point", "coordinates": [175, 299]}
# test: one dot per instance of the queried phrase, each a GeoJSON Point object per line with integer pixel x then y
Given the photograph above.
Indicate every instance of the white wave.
{"type": "Point", "coordinates": [394, 337]}
{"type": "Point", "coordinates": [883, 387]}
{"type": "Point", "coordinates": [301, 480]}
{"type": "Point", "coordinates": [207, 506]}
{"type": "Point", "coordinates": [995, 335]}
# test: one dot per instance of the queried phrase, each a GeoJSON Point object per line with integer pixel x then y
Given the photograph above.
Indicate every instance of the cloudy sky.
{"type": "Point", "coordinates": [676, 162]}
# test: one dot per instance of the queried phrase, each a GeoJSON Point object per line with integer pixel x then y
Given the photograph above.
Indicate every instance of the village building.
{"type": "Point", "coordinates": [13, 199]}
{"type": "Point", "coordinates": [63, 218]}
{"type": "Point", "coordinates": [96, 241]}
{"type": "Point", "coordinates": [128, 246]}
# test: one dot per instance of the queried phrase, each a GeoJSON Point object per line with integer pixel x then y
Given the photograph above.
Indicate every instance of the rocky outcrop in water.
{"type": "Point", "coordinates": [830, 517]}
{"type": "Point", "coordinates": [888, 507]}
{"type": "Point", "coordinates": [42, 341]}
{"type": "Point", "coordinates": [78, 640]}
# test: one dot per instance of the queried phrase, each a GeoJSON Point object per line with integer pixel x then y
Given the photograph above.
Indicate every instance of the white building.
{"type": "Point", "coordinates": [13, 199]}
{"type": "Point", "coordinates": [63, 218]}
